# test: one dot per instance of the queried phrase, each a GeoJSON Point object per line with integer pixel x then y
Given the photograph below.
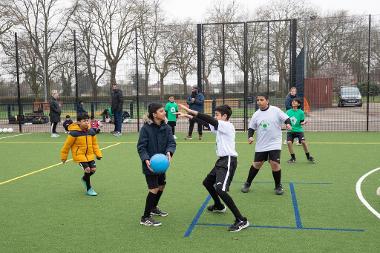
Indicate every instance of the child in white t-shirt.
{"type": "Point", "coordinates": [217, 182]}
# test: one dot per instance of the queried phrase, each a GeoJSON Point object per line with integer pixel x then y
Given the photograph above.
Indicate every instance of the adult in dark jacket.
{"type": "Point", "coordinates": [196, 103]}
{"type": "Point", "coordinates": [155, 138]}
{"type": "Point", "coordinates": [80, 110]}
{"type": "Point", "coordinates": [55, 113]}
{"type": "Point", "coordinates": [117, 109]}
{"type": "Point", "coordinates": [289, 98]}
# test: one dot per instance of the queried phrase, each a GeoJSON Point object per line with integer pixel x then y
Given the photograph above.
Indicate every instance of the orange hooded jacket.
{"type": "Point", "coordinates": [84, 145]}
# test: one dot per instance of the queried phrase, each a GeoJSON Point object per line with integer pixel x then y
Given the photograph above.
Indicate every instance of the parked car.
{"type": "Point", "coordinates": [349, 96]}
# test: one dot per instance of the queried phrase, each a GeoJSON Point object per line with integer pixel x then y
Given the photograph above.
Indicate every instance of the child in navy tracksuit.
{"type": "Point", "coordinates": [155, 138]}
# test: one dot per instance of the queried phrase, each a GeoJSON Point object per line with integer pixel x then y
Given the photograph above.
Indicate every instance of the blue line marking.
{"type": "Point", "coordinates": [196, 218]}
{"type": "Point", "coordinates": [292, 228]}
{"type": "Point", "coordinates": [338, 229]}
{"type": "Point", "coordinates": [295, 206]}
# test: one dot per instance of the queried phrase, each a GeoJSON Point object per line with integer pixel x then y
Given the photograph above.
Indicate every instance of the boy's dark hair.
{"type": "Point", "coordinates": [298, 101]}
{"type": "Point", "coordinates": [153, 108]}
{"type": "Point", "coordinates": [262, 95]}
{"type": "Point", "coordinates": [224, 109]}
{"type": "Point", "coordinates": [82, 117]}
{"type": "Point", "coordinates": [92, 117]}
{"type": "Point", "coordinates": [67, 116]}
{"type": "Point", "coordinates": [171, 96]}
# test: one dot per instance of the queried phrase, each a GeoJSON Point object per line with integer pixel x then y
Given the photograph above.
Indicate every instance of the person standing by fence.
{"type": "Point", "coordinates": [196, 103]}
{"type": "Point", "coordinates": [117, 109]}
{"type": "Point", "coordinates": [55, 113]}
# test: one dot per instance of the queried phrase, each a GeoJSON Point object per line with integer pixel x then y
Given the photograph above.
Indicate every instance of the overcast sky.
{"type": "Point", "coordinates": [196, 9]}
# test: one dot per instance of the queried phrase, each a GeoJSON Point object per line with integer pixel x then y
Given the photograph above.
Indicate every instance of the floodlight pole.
{"type": "Point", "coordinates": [19, 117]}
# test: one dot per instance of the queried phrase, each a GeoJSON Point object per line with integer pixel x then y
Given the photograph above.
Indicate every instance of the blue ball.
{"type": "Point", "coordinates": [159, 163]}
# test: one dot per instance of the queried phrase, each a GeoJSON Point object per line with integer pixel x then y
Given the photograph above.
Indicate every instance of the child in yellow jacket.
{"type": "Point", "coordinates": [84, 148]}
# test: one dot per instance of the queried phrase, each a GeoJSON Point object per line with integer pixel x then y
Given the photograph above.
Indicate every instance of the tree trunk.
{"type": "Point", "coordinates": [113, 74]}
{"type": "Point", "coordinates": [184, 79]}
{"type": "Point", "coordinates": [146, 82]}
{"type": "Point", "coordinates": [94, 89]}
{"type": "Point", "coordinates": [281, 83]}
{"type": "Point", "coordinates": [252, 81]}
{"type": "Point", "coordinates": [162, 90]}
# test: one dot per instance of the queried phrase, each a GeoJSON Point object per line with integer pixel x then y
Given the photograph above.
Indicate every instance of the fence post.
{"type": "Point", "coordinates": [131, 109]}
{"type": "Point", "coordinates": [293, 44]}
{"type": "Point", "coordinates": [268, 41]}
{"type": "Point", "coordinates": [19, 116]}
{"type": "Point", "coordinates": [92, 109]}
{"type": "Point", "coordinates": [76, 74]}
{"type": "Point", "coordinates": [245, 113]}
{"type": "Point", "coordinates": [213, 106]}
{"type": "Point", "coordinates": [137, 83]}
{"type": "Point", "coordinates": [199, 56]}
{"type": "Point", "coordinates": [223, 63]}
{"type": "Point", "coordinates": [369, 68]}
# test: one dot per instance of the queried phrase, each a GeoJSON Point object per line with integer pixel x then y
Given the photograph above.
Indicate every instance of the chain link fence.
{"type": "Point", "coordinates": [334, 63]}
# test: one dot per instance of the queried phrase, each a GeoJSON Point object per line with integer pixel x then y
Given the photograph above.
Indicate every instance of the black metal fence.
{"type": "Point", "coordinates": [230, 62]}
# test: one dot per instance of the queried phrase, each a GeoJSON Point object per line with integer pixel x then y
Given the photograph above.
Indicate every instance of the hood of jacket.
{"type": "Point", "coordinates": [148, 121]}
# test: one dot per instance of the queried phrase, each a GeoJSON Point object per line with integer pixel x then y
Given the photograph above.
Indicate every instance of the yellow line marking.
{"type": "Point", "coordinates": [46, 168]}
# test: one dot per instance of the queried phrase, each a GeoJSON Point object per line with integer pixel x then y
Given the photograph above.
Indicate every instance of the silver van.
{"type": "Point", "coordinates": [349, 96]}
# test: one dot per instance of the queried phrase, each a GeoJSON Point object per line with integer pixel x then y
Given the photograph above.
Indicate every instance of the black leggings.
{"type": "Point", "coordinates": [191, 127]}
{"type": "Point", "coordinates": [172, 124]}
{"type": "Point", "coordinates": [54, 127]}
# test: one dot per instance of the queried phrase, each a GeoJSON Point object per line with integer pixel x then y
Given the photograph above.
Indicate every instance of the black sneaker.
{"type": "Point", "coordinates": [149, 221]}
{"type": "Point", "coordinates": [245, 187]}
{"type": "Point", "coordinates": [279, 190]}
{"type": "Point", "coordinates": [158, 212]}
{"type": "Point", "coordinates": [292, 160]}
{"type": "Point", "coordinates": [311, 159]}
{"type": "Point", "coordinates": [239, 225]}
{"type": "Point", "coordinates": [217, 209]}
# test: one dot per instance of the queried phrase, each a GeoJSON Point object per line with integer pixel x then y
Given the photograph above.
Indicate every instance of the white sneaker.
{"type": "Point", "coordinates": [285, 142]}
{"type": "Point", "coordinates": [378, 191]}
{"type": "Point", "coordinates": [54, 135]}
{"type": "Point", "coordinates": [175, 137]}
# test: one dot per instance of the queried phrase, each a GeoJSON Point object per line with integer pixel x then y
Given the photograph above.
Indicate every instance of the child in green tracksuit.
{"type": "Point", "coordinates": [171, 108]}
{"type": "Point", "coordinates": [297, 120]}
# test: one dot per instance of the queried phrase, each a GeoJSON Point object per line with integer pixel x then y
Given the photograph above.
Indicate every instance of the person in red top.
{"type": "Point", "coordinates": [95, 124]}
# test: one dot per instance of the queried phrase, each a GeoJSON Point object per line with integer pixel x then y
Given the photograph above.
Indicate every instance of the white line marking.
{"type": "Point", "coordinates": [360, 195]}
{"type": "Point", "coordinates": [46, 168]}
{"type": "Point", "coordinates": [13, 136]}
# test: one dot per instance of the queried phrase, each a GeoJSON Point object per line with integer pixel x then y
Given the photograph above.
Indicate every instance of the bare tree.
{"type": "Point", "coordinates": [28, 61]}
{"type": "Point", "coordinates": [44, 21]}
{"type": "Point", "coordinates": [89, 47]}
{"type": "Point", "coordinates": [64, 58]}
{"type": "Point", "coordinates": [163, 58]}
{"type": "Point", "coordinates": [115, 21]}
{"type": "Point", "coordinates": [6, 19]}
{"type": "Point", "coordinates": [279, 32]}
{"type": "Point", "coordinates": [217, 36]}
{"type": "Point", "coordinates": [337, 47]}
{"type": "Point", "coordinates": [183, 42]}
{"type": "Point", "coordinates": [149, 19]}
{"type": "Point", "coordinates": [256, 41]}
{"type": "Point", "coordinates": [208, 61]}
